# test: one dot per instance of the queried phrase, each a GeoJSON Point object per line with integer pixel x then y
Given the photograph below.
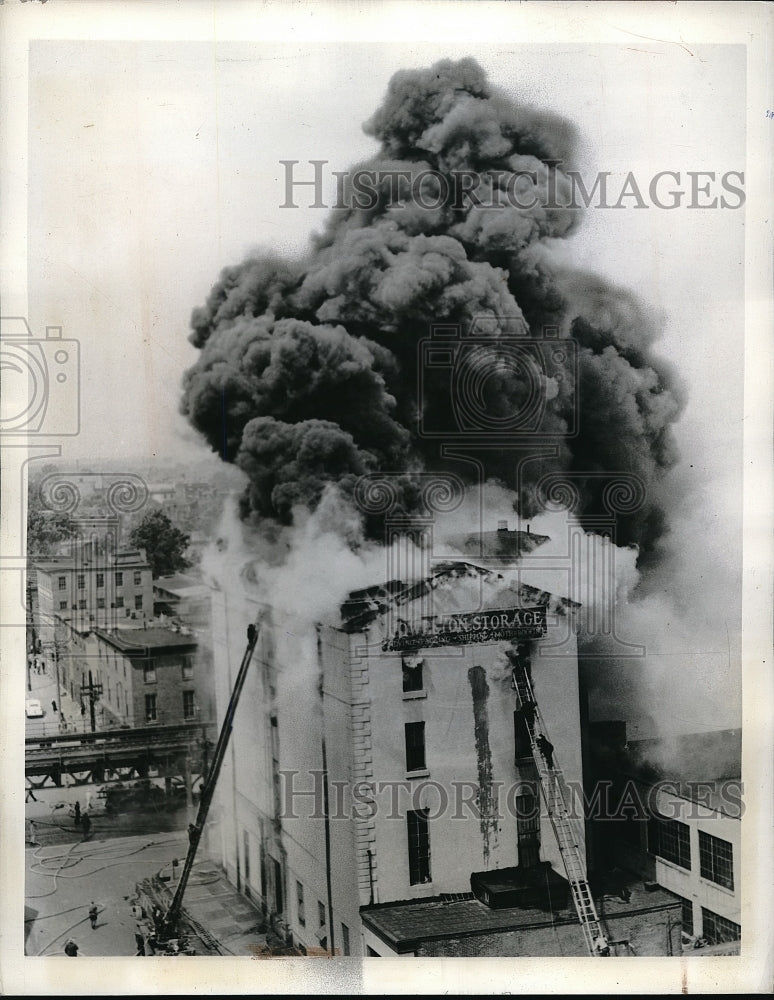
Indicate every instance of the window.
{"type": "Point", "coordinates": [63, 583]}
{"type": "Point", "coordinates": [687, 914]}
{"type": "Point", "coordinates": [119, 579]}
{"type": "Point", "coordinates": [300, 905]}
{"type": "Point", "coordinates": [716, 860]}
{"type": "Point", "coordinates": [82, 604]}
{"type": "Point", "coordinates": [321, 913]}
{"type": "Point", "coordinates": [521, 739]}
{"type": "Point", "coordinates": [100, 602]}
{"type": "Point", "coordinates": [279, 901]}
{"type": "Point", "coordinates": [188, 668]}
{"type": "Point", "coordinates": [138, 602]}
{"type": "Point", "coordinates": [81, 581]}
{"type": "Point", "coordinates": [718, 930]}
{"type": "Point", "coordinates": [100, 579]}
{"type": "Point", "coordinates": [413, 679]}
{"type": "Point", "coordinates": [418, 846]}
{"type": "Point", "coordinates": [149, 672]}
{"type": "Point", "coordinates": [119, 602]}
{"type": "Point", "coordinates": [246, 852]}
{"type": "Point", "coordinates": [63, 605]}
{"type": "Point", "coordinates": [345, 939]}
{"type": "Point", "coordinates": [150, 707]}
{"type": "Point", "coordinates": [137, 578]}
{"type": "Point", "coordinates": [415, 746]}
{"type": "Point", "coordinates": [189, 709]}
{"type": "Point", "coordinates": [670, 839]}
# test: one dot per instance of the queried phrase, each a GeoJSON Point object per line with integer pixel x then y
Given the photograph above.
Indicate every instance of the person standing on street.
{"type": "Point", "coordinates": [86, 824]}
{"type": "Point", "coordinates": [71, 949]}
{"type": "Point", "coordinates": [53, 706]}
{"type": "Point", "coordinates": [77, 814]}
{"type": "Point", "coordinates": [93, 914]}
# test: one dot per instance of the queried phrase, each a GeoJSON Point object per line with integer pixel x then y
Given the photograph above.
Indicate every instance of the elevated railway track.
{"type": "Point", "coordinates": [79, 758]}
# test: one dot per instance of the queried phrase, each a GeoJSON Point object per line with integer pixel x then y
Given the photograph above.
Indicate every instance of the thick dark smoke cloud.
{"type": "Point", "coordinates": [308, 372]}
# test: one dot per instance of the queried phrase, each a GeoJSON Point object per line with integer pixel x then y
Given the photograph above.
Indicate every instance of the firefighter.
{"type": "Point", "coordinates": [547, 750]}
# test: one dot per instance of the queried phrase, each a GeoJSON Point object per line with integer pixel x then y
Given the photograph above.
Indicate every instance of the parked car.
{"type": "Point", "coordinates": [34, 709]}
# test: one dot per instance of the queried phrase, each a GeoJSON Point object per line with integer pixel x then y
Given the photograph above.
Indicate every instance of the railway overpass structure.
{"type": "Point", "coordinates": [171, 752]}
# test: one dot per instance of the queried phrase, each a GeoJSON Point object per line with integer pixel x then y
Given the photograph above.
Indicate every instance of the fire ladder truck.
{"type": "Point", "coordinates": [551, 786]}
{"type": "Point", "coordinates": [171, 919]}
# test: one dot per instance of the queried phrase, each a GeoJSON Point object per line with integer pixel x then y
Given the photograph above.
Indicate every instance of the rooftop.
{"type": "Point", "coordinates": [697, 766]}
{"type": "Point", "coordinates": [364, 606]}
{"type": "Point", "coordinates": [140, 642]}
{"type": "Point", "coordinates": [85, 558]}
{"type": "Point", "coordinates": [181, 585]}
{"type": "Point", "coordinates": [501, 544]}
{"type": "Point", "coordinates": [403, 925]}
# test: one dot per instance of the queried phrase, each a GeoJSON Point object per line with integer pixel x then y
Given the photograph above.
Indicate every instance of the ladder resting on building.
{"type": "Point", "coordinates": [551, 786]}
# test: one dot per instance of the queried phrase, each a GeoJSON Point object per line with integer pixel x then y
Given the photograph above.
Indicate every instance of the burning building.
{"type": "Point", "coordinates": [424, 341]}
{"type": "Point", "coordinates": [381, 795]}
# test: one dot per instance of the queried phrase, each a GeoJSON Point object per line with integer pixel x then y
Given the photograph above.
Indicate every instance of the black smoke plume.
{"type": "Point", "coordinates": [308, 372]}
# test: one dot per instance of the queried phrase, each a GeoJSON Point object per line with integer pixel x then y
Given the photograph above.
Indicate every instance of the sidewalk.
{"type": "Point", "coordinates": [223, 913]}
{"type": "Point", "coordinates": [44, 688]}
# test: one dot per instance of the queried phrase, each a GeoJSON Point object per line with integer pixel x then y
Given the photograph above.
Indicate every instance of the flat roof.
{"type": "Point", "coordinates": [404, 925]}
{"type": "Point", "coordinates": [181, 585]}
{"type": "Point", "coordinates": [141, 641]}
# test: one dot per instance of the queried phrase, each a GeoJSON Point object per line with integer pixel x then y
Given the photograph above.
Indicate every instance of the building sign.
{"type": "Point", "coordinates": [470, 627]}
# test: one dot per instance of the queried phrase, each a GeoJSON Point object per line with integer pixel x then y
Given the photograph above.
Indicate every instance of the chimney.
{"type": "Point", "coordinates": [502, 525]}
{"type": "Point", "coordinates": [528, 531]}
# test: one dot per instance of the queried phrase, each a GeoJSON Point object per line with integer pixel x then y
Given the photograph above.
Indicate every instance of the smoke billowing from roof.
{"type": "Point", "coordinates": [309, 370]}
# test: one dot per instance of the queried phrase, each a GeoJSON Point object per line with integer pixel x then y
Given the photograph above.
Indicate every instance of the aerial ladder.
{"type": "Point", "coordinates": [566, 833]}
{"type": "Point", "coordinates": [172, 917]}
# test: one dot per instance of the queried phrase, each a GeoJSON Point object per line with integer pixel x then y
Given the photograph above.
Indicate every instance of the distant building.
{"type": "Point", "coordinates": [183, 596]}
{"type": "Point", "coordinates": [91, 588]}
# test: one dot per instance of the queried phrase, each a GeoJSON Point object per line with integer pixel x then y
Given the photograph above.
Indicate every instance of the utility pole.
{"type": "Point", "coordinates": [94, 692]}
{"type": "Point", "coordinates": [58, 688]}
{"type": "Point", "coordinates": [34, 640]}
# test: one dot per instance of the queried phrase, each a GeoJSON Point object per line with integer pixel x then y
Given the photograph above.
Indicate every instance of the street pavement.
{"type": "Point", "coordinates": [44, 687]}
{"type": "Point", "coordinates": [62, 880]}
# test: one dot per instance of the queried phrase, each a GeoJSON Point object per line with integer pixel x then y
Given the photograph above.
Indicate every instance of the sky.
{"type": "Point", "coordinates": [153, 165]}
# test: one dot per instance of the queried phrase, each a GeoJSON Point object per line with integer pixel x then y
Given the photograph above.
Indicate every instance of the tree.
{"type": "Point", "coordinates": [164, 544]}
{"type": "Point", "coordinates": [46, 528]}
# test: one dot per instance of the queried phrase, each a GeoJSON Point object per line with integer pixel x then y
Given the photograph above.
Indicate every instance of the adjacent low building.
{"type": "Point", "coordinates": [145, 676]}
{"type": "Point", "coordinates": [679, 805]}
